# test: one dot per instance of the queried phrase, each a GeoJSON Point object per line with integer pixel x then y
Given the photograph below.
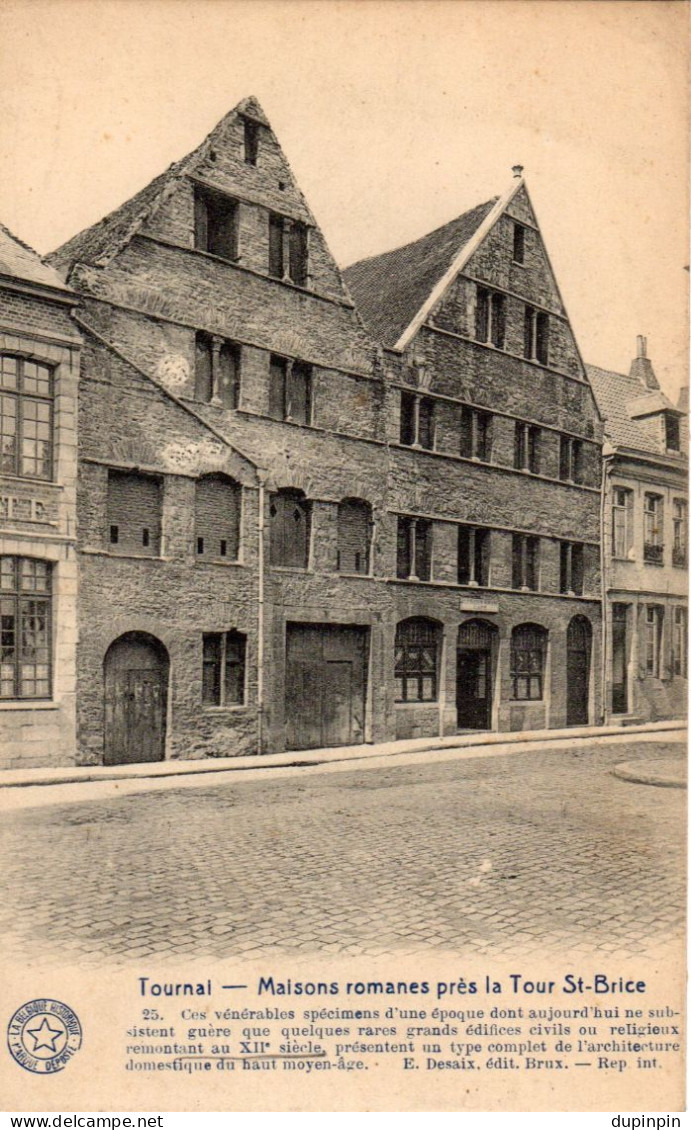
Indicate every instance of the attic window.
{"type": "Point", "coordinates": [215, 223]}
{"type": "Point", "coordinates": [672, 436]}
{"type": "Point", "coordinates": [518, 243]}
{"type": "Point", "coordinates": [251, 141]}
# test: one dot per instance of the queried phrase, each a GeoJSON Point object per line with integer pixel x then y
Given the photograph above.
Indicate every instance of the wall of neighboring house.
{"type": "Point", "coordinates": [37, 534]}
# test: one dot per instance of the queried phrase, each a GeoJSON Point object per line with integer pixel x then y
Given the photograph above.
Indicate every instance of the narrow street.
{"type": "Point", "coordinates": [504, 855]}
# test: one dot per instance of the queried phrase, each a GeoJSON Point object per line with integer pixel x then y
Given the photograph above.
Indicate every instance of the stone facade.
{"type": "Point", "coordinates": [645, 544]}
{"type": "Point", "coordinates": [39, 366]}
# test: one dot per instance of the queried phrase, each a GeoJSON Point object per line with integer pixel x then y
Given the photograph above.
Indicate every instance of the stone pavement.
{"type": "Point", "coordinates": [505, 855]}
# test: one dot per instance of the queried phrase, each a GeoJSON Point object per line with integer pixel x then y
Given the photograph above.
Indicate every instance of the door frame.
{"type": "Point", "coordinates": [585, 622]}
{"type": "Point", "coordinates": [157, 647]}
{"type": "Point", "coordinates": [492, 649]}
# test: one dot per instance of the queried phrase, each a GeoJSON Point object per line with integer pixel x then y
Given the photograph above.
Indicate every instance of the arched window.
{"type": "Point", "coordinates": [25, 591]}
{"type": "Point", "coordinates": [528, 648]}
{"type": "Point", "coordinates": [354, 535]}
{"type": "Point", "coordinates": [290, 513]}
{"type": "Point", "coordinates": [217, 507]}
{"type": "Point", "coordinates": [416, 665]}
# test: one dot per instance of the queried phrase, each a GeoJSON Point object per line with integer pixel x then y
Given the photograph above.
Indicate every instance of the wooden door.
{"type": "Point", "coordinates": [577, 672]}
{"type": "Point", "coordinates": [326, 678]}
{"type": "Point", "coordinates": [474, 689]}
{"type": "Point", "coordinates": [136, 694]}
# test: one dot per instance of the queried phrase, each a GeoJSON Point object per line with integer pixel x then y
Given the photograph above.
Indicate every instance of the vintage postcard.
{"type": "Point", "coordinates": [343, 556]}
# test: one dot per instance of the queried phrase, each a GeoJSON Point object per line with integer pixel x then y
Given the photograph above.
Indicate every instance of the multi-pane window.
{"type": "Point", "coordinates": [672, 432]}
{"type": "Point", "coordinates": [217, 507]}
{"type": "Point", "coordinates": [134, 513]}
{"type": "Point", "coordinates": [490, 317]}
{"type": "Point", "coordinates": [288, 249]}
{"type": "Point", "coordinates": [354, 536]}
{"type": "Point", "coordinates": [416, 661]}
{"type": "Point", "coordinates": [223, 669]}
{"type": "Point", "coordinates": [518, 243]}
{"type": "Point", "coordinates": [680, 642]}
{"type": "Point", "coordinates": [570, 459]}
{"type": "Point", "coordinates": [26, 418]}
{"type": "Point", "coordinates": [653, 547]}
{"type": "Point", "coordinates": [473, 555]}
{"type": "Point", "coordinates": [251, 141]}
{"type": "Point", "coordinates": [525, 561]}
{"type": "Point", "coordinates": [622, 521]}
{"type": "Point", "coordinates": [25, 589]}
{"type": "Point", "coordinates": [417, 421]}
{"type": "Point", "coordinates": [290, 515]}
{"type": "Point", "coordinates": [571, 567]}
{"type": "Point", "coordinates": [528, 646]}
{"type": "Point", "coordinates": [476, 434]}
{"type": "Point", "coordinates": [526, 447]}
{"type": "Point", "coordinates": [681, 531]}
{"type": "Point", "coordinates": [536, 335]}
{"type": "Point", "coordinates": [215, 223]}
{"type": "Point", "coordinates": [414, 549]}
{"type": "Point", "coordinates": [653, 639]}
{"type": "Point", "coordinates": [290, 390]}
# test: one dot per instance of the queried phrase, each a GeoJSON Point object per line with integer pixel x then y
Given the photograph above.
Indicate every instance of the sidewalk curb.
{"type": "Point", "coordinates": [23, 778]}
{"type": "Point", "coordinates": [661, 772]}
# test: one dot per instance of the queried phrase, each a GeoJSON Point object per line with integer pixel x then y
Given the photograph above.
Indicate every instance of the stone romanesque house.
{"type": "Point", "coordinates": [494, 445]}
{"type": "Point", "coordinates": [39, 368]}
{"type": "Point", "coordinates": [305, 522]}
{"type": "Point", "coordinates": [645, 542]}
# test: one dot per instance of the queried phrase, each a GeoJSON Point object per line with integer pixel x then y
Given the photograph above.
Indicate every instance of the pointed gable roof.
{"type": "Point", "coordinates": [19, 261]}
{"type": "Point", "coordinates": [96, 246]}
{"type": "Point", "coordinates": [390, 289]}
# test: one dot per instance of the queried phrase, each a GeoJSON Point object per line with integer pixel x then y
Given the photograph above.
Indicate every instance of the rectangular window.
{"type": "Point", "coordinates": [518, 243]}
{"type": "Point", "coordinates": [526, 448]}
{"type": "Point", "coordinates": [570, 459]}
{"type": "Point", "coordinates": [134, 513]}
{"type": "Point", "coordinates": [25, 628]}
{"type": "Point", "coordinates": [476, 435]}
{"type": "Point", "coordinates": [414, 549]}
{"type": "Point", "coordinates": [276, 261]}
{"type": "Point", "coordinates": [473, 556]}
{"type": "Point", "coordinates": [536, 335]}
{"type": "Point", "coordinates": [571, 568]}
{"type": "Point", "coordinates": [26, 418]}
{"type": "Point", "coordinates": [680, 527]}
{"type": "Point", "coordinates": [653, 640]}
{"type": "Point", "coordinates": [490, 317]}
{"type": "Point", "coordinates": [417, 421]}
{"type": "Point", "coordinates": [525, 557]}
{"type": "Point", "coordinates": [416, 661]}
{"type": "Point", "coordinates": [680, 642]}
{"type": "Point", "coordinates": [622, 525]}
{"type": "Point", "coordinates": [527, 661]}
{"type": "Point", "coordinates": [203, 368]}
{"type": "Point", "coordinates": [215, 223]}
{"type": "Point", "coordinates": [653, 547]}
{"type": "Point", "coordinates": [223, 669]}
{"type": "Point", "coordinates": [251, 141]}
{"type": "Point", "coordinates": [290, 390]}
{"type": "Point", "coordinates": [298, 266]}
{"type": "Point", "coordinates": [672, 432]}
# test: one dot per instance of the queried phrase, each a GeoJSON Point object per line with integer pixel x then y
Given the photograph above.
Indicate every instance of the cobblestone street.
{"type": "Point", "coordinates": [502, 856]}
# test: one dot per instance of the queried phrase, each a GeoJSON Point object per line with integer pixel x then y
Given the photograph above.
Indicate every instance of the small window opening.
{"type": "Point", "coordinates": [251, 142]}
{"type": "Point", "coordinates": [518, 243]}
{"type": "Point", "coordinates": [114, 535]}
{"type": "Point", "coordinates": [200, 545]}
{"type": "Point", "coordinates": [145, 537]}
{"type": "Point", "coordinates": [224, 547]}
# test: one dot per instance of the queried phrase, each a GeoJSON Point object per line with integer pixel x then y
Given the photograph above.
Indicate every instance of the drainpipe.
{"type": "Point", "coordinates": [260, 617]}
{"type": "Point", "coordinates": [607, 465]}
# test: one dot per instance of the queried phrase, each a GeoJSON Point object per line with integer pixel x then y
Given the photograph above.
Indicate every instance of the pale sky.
{"type": "Point", "coordinates": [396, 115]}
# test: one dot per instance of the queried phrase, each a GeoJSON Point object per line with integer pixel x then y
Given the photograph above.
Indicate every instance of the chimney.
{"type": "Point", "coordinates": [683, 401]}
{"type": "Point", "coordinates": [517, 171]}
{"type": "Point", "coordinates": [641, 367]}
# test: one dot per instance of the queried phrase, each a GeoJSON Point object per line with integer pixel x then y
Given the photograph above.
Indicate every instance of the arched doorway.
{"type": "Point", "coordinates": [578, 641]}
{"type": "Point", "coordinates": [475, 675]}
{"type": "Point", "coordinates": [136, 697]}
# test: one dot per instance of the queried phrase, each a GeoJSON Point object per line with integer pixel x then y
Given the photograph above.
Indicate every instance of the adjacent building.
{"type": "Point", "coordinates": [645, 543]}
{"type": "Point", "coordinates": [39, 368]}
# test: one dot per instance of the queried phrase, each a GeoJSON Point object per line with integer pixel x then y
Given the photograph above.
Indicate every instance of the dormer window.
{"type": "Point", "coordinates": [672, 432]}
{"type": "Point", "coordinates": [518, 243]}
{"type": "Point", "coordinates": [251, 141]}
{"type": "Point", "coordinates": [215, 223]}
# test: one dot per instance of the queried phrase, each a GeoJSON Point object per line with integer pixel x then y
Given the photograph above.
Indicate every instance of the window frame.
{"type": "Point", "coordinates": [212, 211]}
{"type": "Point", "coordinates": [233, 535]}
{"type": "Point", "coordinates": [222, 663]}
{"type": "Point", "coordinates": [250, 141]}
{"type": "Point", "coordinates": [525, 548]}
{"type": "Point", "coordinates": [16, 605]}
{"type": "Point", "coordinates": [527, 447]}
{"type": "Point", "coordinates": [410, 668]}
{"type": "Point", "coordinates": [518, 249]}
{"type": "Point", "coordinates": [530, 668]}
{"type": "Point", "coordinates": [622, 522]}
{"type": "Point", "coordinates": [21, 398]}
{"type": "Point", "coordinates": [476, 434]}
{"type": "Point", "coordinates": [149, 547]}
{"type": "Point", "coordinates": [414, 545]}
{"type": "Point", "coordinates": [680, 641]}
{"type": "Point", "coordinates": [479, 555]}
{"type": "Point", "coordinates": [536, 335]}
{"type": "Point", "coordinates": [680, 532]}
{"type": "Point", "coordinates": [571, 568]}
{"type": "Point", "coordinates": [653, 528]}
{"type": "Point", "coordinates": [654, 621]}
{"type": "Point", "coordinates": [490, 317]}
{"type": "Point", "coordinates": [286, 370]}
{"type": "Point", "coordinates": [412, 406]}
